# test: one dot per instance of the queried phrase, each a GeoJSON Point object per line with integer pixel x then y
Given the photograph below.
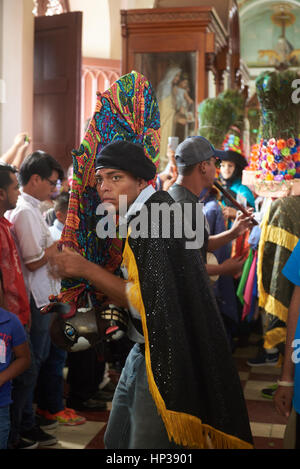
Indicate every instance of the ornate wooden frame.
{"type": "Point", "coordinates": [42, 6]}
{"type": "Point", "coordinates": [189, 29]}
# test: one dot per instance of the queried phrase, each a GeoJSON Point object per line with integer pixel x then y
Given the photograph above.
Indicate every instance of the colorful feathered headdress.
{"type": "Point", "coordinates": [128, 110]}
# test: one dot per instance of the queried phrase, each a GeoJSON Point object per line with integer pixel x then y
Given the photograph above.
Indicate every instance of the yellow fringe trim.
{"type": "Point", "coordinates": [284, 239]}
{"type": "Point", "coordinates": [186, 430]}
{"type": "Point", "coordinates": [262, 296]}
{"type": "Point", "coordinates": [281, 237]}
{"type": "Point", "coordinates": [276, 308]}
{"type": "Point", "coordinates": [274, 337]}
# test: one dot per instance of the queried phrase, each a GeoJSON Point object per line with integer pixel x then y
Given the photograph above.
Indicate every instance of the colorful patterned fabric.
{"type": "Point", "coordinates": [128, 110]}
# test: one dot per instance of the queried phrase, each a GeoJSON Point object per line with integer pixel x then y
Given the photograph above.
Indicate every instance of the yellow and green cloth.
{"type": "Point", "coordinates": [279, 235]}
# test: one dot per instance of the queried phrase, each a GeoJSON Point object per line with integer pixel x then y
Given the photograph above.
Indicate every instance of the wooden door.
{"type": "Point", "coordinates": [57, 85]}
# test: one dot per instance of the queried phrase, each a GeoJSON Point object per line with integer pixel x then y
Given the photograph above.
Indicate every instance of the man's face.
{"type": "Point", "coordinates": [9, 196]}
{"type": "Point", "coordinates": [61, 215]}
{"type": "Point", "coordinates": [112, 183]}
{"type": "Point", "coordinates": [210, 170]}
{"type": "Point", "coordinates": [45, 187]}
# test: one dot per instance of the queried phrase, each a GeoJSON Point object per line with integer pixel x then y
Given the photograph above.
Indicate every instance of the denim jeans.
{"type": "Point", "coordinates": [21, 393]}
{"type": "Point", "coordinates": [134, 422]}
{"type": "Point", "coordinates": [39, 334]}
{"type": "Point", "coordinates": [50, 385]}
{"type": "Point", "coordinates": [4, 426]}
{"type": "Point", "coordinates": [44, 377]}
{"type": "Point", "coordinates": [41, 342]}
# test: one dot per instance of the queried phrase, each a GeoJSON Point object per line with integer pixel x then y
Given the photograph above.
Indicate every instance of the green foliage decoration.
{"type": "Point", "coordinates": [215, 118]}
{"type": "Point", "coordinates": [217, 115]}
{"type": "Point", "coordinates": [280, 115]}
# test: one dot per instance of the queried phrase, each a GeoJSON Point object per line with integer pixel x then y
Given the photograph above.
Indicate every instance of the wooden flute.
{"type": "Point", "coordinates": [233, 201]}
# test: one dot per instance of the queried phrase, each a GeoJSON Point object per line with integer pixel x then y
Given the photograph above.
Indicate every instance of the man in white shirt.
{"type": "Point", "coordinates": [38, 177]}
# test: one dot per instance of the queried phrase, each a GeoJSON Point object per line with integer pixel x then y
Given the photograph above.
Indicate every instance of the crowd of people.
{"type": "Point", "coordinates": [169, 293]}
{"type": "Point", "coordinates": [29, 232]}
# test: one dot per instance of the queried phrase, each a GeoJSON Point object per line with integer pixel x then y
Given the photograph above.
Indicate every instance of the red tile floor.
{"type": "Point", "coordinates": [266, 425]}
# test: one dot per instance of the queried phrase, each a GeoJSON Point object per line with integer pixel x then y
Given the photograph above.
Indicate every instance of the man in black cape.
{"type": "Point", "coordinates": [179, 386]}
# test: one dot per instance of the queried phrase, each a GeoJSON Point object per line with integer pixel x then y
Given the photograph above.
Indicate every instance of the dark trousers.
{"type": "Point", "coordinates": [50, 385]}
{"type": "Point", "coordinates": [21, 393]}
{"type": "Point", "coordinates": [85, 373]}
{"type": "Point", "coordinates": [297, 444]}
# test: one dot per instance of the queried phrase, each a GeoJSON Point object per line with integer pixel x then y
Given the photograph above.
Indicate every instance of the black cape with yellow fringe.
{"type": "Point", "coordinates": [190, 369]}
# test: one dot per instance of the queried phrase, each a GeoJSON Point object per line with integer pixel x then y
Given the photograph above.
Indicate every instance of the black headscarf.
{"type": "Point", "coordinates": [240, 164]}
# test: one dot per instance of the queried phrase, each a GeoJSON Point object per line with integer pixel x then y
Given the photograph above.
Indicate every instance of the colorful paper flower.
{"type": "Point", "coordinates": [290, 142]}
{"type": "Point", "coordinates": [285, 151]}
{"type": "Point", "coordinates": [276, 159]}
{"type": "Point", "coordinates": [281, 144]}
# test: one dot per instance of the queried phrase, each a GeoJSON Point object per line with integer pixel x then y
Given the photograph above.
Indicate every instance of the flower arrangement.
{"type": "Point", "coordinates": [276, 159]}
{"type": "Point", "coordinates": [274, 163]}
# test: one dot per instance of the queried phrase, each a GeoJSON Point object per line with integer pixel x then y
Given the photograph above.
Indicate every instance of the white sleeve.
{"type": "Point", "coordinates": [28, 236]}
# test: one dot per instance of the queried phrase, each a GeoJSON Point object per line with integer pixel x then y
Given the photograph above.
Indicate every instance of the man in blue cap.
{"type": "Point", "coordinates": [196, 162]}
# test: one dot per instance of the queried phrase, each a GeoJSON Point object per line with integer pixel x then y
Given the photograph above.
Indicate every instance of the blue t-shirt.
{"type": "Point", "coordinates": [291, 271]}
{"type": "Point", "coordinates": [12, 334]}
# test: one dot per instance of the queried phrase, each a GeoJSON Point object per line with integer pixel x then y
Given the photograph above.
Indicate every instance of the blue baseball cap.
{"type": "Point", "coordinates": [194, 150]}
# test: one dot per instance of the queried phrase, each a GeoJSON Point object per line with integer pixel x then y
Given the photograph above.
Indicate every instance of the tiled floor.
{"type": "Point", "coordinates": [267, 426]}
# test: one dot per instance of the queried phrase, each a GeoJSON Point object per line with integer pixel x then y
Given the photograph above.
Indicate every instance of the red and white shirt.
{"type": "Point", "coordinates": [15, 294]}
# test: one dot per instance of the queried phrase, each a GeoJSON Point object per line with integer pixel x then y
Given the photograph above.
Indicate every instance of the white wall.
{"type": "Point", "coordinates": [101, 30]}
{"type": "Point", "coordinates": [211, 85]}
{"type": "Point", "coordinates": [95, 27]}
{"type": "Point", "coordinates": [17, 26]}
{"type": "Point", "coordinates": [101, 39]}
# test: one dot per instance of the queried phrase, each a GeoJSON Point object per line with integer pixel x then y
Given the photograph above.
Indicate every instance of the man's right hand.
{"type": "Point", "coordinates": [242, 223]}
{"type": "Point", "coordinates": [232, 266]}
{"type": "Point", "coordinates": [67, 264]}
{"type": "Point", "coordinates": [52, 250]}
